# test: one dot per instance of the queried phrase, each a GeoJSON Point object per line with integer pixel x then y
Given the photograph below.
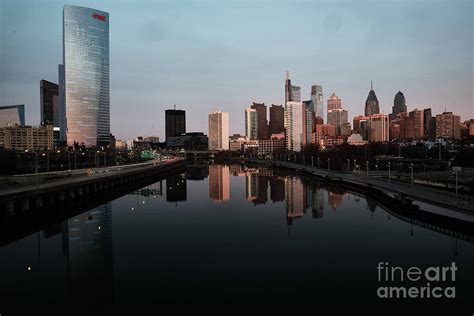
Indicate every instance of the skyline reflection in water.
{"type": "Point", "coordinates": [229, 233]}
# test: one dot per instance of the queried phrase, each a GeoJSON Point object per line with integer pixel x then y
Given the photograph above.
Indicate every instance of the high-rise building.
{"type": "Point", "coordinates": [12, 115]}
{"type": "Point", "coordinates": [448, 126]}
{"type": "Point", "coordinates": [86, 74]}
{"type": "Point", "coordinates": [251, 124]}
{"type": "Point", "coordinates": [372, 103]}
{"type": "Point", "coordinates": [261, 108]}
{"type": "Point", "coordinates": [334, 102]}
{"type": "Point", "coordinates": [379, 128]}
{"type": "Point", "coordinates": [429, 124]}
{"type": "Point", "coordinates": [292, 93]}
{"type": "Point", "coordinates": [417, 118]}
{"type": "Point", "coordinates": [49, 103]}
{"type": "Point", "coordinates": [50, 107]}
{"type": "Point", "coordinates": [277, 121]}
{"type": "Point", "coordinates": [175, 123]}
{"type": "Point", "coordinates": [317, 101]}
{"type": "Point", "coordinates": [337, 117]}
{"type": "Point", "coordinates": [294, 113]}
{"type": "Point", "coordinates": [399, 106]}
{"type": "Point", "coordinates": [62, 104]}
{"type": "Point", "coordinates": [307, 123]}
{"type": "Point", "coordinates": [219, 187]}
{"type": "Point", "coordinates": [218, 130]}
{"type": "Point", "coordinates": [361, 126]}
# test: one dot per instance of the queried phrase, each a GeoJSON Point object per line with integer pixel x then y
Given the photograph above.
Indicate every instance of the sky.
{"type": "Point", "coordinates": [223, 55]}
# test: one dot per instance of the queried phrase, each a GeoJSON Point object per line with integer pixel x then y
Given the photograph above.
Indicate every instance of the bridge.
{"type": "Point", "coordinates": [400, 190]}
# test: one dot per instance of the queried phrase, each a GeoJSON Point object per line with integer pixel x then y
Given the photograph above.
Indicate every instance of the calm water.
{"type": "Point", "coordinates": [228, 234]}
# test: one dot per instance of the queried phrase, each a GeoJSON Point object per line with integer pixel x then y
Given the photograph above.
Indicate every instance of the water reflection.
{"type": "Point", "coordinates": [87, 246]}
{"type": "Point", "coordinates": [182, 233]}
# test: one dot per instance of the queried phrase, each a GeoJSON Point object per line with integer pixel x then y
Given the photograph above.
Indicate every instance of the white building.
{"type": "Point", "coordinates": [251, 124]}
{"type": "Point", "coordinates": [293, 120]}
{"type": "Point", "coordinates": [218, 130]}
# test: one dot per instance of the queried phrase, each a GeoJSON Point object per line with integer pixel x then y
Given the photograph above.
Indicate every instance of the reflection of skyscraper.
{"type": "Point", "coordinates": [318, 203]}
{"type": "Point", "coordinates": [277, 189]}
{"type": "Point", "coordinates": [262, 190]}
{"type": "Point", "coordinates": [251, 186]}
{"type": "Point", "coordinates": [219, 187]}
{"type": "Point", "coordinates": [334, 200]}
{"type": "Point", "coordinates": [196, 172]}
{"type": "Point", "coordinates": [295, 198]}
{"type": "Point", "coordinates": [86, 70]}
{"type": "Point", "coordinates": [176, 190]}
{"type": "Point", "coordinates": [87, 244]}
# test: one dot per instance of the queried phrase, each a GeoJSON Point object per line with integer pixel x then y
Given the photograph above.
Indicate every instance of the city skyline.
{"type": "Point", "coordinates": [256, 76]}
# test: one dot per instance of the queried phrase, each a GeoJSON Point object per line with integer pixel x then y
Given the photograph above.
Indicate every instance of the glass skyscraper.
{"type": "Point", "coordinates": [86, 75]}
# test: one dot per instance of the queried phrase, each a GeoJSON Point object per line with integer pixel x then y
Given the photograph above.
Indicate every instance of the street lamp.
{"type": "Point", "coordinates": [411, 167]}
{"type": "Point", "coordinates": [329, 164]}
{"type": "Point", "coordinates": [456, 174]}
{"type": "Point", "coordinates": [367, 164]}
{"type": "Point", "coordinates": [377, 165]}
{"type": "Point", "coordinates": [105, 159]}
{"type": "Point", "coordinates": [312, 162]}
{"type": "Point", "coordinates": [318, 162]}
{"type": "Point", "coordinates": [36, 167]}
{"type": "Point", "coordinates": [348, 165]}
{"type": "Point", "coordinates": [389, 172]}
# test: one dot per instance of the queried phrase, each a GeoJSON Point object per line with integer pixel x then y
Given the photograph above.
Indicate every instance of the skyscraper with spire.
{"type": "Point", "coordinates": [372, 103]}
{"type": "Point", "coordinates": [399, 105]}
{"type": "Point", "coordinates": [292, 93]}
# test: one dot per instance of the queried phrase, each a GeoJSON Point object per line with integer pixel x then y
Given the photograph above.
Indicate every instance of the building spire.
{"type": "Point", "coordinates": [287, 75]}
{"type": "Point", "coordinates": [371, 85]}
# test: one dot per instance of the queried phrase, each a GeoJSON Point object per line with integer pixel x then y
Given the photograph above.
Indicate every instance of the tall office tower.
{"type": "Point", "coordinates": [317, 101]}
{"type": "Point", "coordinates": [417, 118]}
{"type": "Point", "coordinates": [86, 74]}
{"type": "Point", "coordinates": [251, 124]}
{"type": "Point", "coordinates": [49, 107]}
{"type": "Point", "coordinates": [334, 102]}
{"type": "Point", "coordinates": [262, 120]}
{"type": "Point", "coordinates": [399, 106]}
{"type": "Point", "coordinates": [294, 112]}
{"type": "Point", "coordinates": [448, 126]}
{"type": "Point", "coordinates": [175, 123]}
{"type": "Point", "coordinates": [218, 130]}
{"type": "Point", "coordinates": [62, 104]}
{"type": "Point", "coordinates": [292, 93]}
{"type": "Point", "coordinates": [379, 128]}
{"type": "Point", "coordinates": [337, 117]}
{"type": "Point", "coordinates": [219, 187]}
{"type": "Point", "coordinates": [49, 103]}
{"type": "Point", "coordinates": [277, 121]}
{"type": "Point", "coordinates": [372, 103]}
{"type": "Point", "coordinates": [361, 126]}
{"type": "Point", "coordinates": [12, 115]}
{"type": "Point", "coordinates": [430, 128]}
{"type": "Point", "coordinates": [307, 122]}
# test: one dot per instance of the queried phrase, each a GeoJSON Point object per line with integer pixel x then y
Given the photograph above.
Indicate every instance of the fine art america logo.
{"type": "Point", "coordinates": [414, 282]}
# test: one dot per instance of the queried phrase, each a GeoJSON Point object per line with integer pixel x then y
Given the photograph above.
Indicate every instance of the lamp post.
{"type": "Point", "coordinates": [318, 162]}
{"type": "Point", "coordinates": [329, 164]}
{"type": "Point", "coordinates": [367, 164]}
{"type": "Point", "coordinates": [47, 160]}
{"type": "Point", "coordinates": [377, 165]}
{"type": "Point", "coordinates": [355, 166]}
{"type": "Point", "coordinates": [411, 167]}
{"type": "Point", "coordinates": [389, 172]}
{"type": "Point", "coordinates": [456, 174]}
{"type": "Point", "coordinates": [348, 165]}
{"type": "Point", "coordinates": [105, 159]}
{"type": "Point", "coordinates": [312, 162]}
{"type": "Point", "coordinates": [304, 160]}
{"type": "Point", "coordinates": [36, 165]}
